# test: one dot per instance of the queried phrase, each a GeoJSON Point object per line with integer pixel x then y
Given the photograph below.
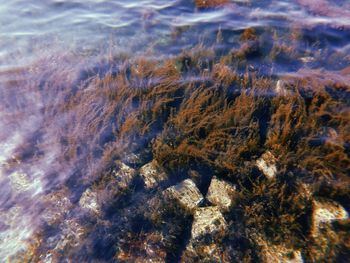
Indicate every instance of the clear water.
{"type": "Point", "coordinates": [40, 28]}
{"type": "Point", "coordinates": [55, 42]}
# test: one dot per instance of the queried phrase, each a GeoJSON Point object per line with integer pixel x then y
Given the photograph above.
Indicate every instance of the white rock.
{"type": "Point", "coordinates": [267, 165]}
{"type": "Point", "coordinates": [124, 175]}
{"type": "Point", "coordinates": [88, 200]}
{"type": "Point", "coordinates": [152, 174]}
{"type": "Point", "coordinates": [221, 193]}
{"type": "Point", "coordinates": [324, 212]}
{"type": "Point", "coordinates": [207, 220]}
{"type": "Point", "coordinates": [186, 193]}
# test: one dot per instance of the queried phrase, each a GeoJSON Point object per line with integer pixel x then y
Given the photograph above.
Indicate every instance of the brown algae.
{"type": "Point", "coordinates": [148, 140]}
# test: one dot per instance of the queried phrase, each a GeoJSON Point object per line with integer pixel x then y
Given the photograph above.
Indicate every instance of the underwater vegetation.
{"type": "Point", "coordinates": [238, 154]}
{"type": "Point", "coordinates": [202, 4]}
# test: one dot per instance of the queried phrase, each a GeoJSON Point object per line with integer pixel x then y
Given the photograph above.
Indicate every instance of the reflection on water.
{"type": "Point", "coordinates": [106, 107]}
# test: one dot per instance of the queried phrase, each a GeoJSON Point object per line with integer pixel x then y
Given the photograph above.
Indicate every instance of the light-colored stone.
{"type": "Point", "coordinates": [207, 220]}
{"type": "Point", "coordinates": [267, 165]}
{"type": "Point", "coordinates": [281, 88]}
{"type": "Point", "coordinates": [124, 175]}
{"type": "Point", "coordinates": [186, 193]}
{"type": "Point", "coordinates": [152, 174]}
{"type": "Point", "coordinates": [88, 200]}
{"type": "Point", "coordinates": [149, 249]}
{"type": "Point", "coordinates": [11, 216]}
{"type": "Point", "coordinates": [58, 205]}
{"type": "Point", "coordinates": [324, 236]}
{"type": "Point", "coordinates": [324, 212]}
{"type": "Point", "coordinates": [132, 159]}
{"type": "Point", "coordinates": [281, 254]}
{"type": "Point", "coordinates": [203, 252]}
{"type": "Point", "coordinates": [277, 253]}
{"type": "Point", "coordinates": [221, 193]}
{"type": "Point", "coordinates": [307, 59]}
{"type": "Point", "coordinates": [70, 236]}
{"type": "Point", "coordinates": [21, 182]}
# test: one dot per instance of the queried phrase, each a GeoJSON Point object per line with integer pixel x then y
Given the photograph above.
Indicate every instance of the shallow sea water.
{"type": "Point", "coordinates": [64, 125]}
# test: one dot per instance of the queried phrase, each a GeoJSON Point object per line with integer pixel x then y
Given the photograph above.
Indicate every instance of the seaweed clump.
{"type": "Point", "coordinates": [203, 4]}
{"type": "Point", "coordinates": [199, 118]}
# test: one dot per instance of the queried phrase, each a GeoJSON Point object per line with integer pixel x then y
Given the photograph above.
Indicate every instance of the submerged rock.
{"type": "Point", "coordinates": [124, 175]}
{"type": "Point", "coordinates": [69, 238]}
{"type": "Point", "coordinates": [267, 165]}
{"type": "Point", "coordinates": [152, 174]}
{"type": "Point", "coordinates": [199, 252]}
{"type": "Point", "coordinates": [221, 193]}
{"type": "Point", "coordinates": [132, 159]}
{"type": "Point", "coordinates": [71, 235]}
{"type": "Point", "coordinates": [57, 206]}
{"type": "Point", "coordinates": [325, 212]}
{"type": "Point", "coordinates": [147, 248]}
{"type": "Point", "coordinates": [186, 193]}
{"type": "Point", "coordinates": [88, 200]}
{"type": "Point", "coordinates": [208, 227]}
{"type": "Point", "coordinates": [10, 216]}
{"type": "Point", "coordinates": [327, 241]}
{"type": "Point", "coordinates": [21, 182]}
{"type": "Point", "coordinates": [280, 254]}
{"type": "Point", "coordinates": [207, 221]}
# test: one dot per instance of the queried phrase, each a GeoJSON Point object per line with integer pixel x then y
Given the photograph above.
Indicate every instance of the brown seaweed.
{"type": "Point", "coordinates": [198, 116]}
